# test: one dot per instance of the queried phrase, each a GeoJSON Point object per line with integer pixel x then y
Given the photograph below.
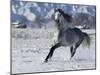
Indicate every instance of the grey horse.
{"type": "Point", "coordinates": [68, 35]}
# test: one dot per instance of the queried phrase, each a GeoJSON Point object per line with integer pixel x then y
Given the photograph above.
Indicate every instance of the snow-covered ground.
{"type": "Point", "coordinates": [31, 46]}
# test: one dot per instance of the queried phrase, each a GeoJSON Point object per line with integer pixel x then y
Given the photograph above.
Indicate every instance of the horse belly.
{"type": "Point", "coordinates": [68, 38]}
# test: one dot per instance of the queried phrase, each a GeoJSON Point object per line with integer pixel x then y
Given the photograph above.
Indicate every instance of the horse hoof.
{"type": "Point", "coordinates": [70, 59]}
{"type": "Point", "coordinates": [45, 61]}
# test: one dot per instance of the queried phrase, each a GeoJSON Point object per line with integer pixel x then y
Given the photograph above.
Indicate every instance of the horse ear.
{"type": "Point", "coordinates": [60, 10]}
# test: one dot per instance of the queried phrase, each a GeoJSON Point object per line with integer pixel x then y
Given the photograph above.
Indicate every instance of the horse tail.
{"type": "Point", "coordinates": [86, 39]}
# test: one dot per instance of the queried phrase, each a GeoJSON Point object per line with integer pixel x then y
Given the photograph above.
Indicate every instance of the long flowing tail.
{"type": "Point", "coordinates": [87, 39]}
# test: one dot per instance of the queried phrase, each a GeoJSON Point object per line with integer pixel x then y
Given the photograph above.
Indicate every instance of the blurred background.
{"type": "Point", "coordinates": [29, 14]}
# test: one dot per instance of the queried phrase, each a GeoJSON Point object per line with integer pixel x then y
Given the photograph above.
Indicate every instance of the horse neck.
{"type": "Point", "coordinates": [64, 24]}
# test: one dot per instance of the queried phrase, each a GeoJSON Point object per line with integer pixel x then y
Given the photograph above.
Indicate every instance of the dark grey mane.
{"type": "Point", "coordinates": [65, 15]}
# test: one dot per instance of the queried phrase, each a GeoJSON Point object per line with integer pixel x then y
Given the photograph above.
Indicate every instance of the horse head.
{"type": "Point", "coordinates": [57, 15]}
{"type": "Point", "coordinates": [59, 12]}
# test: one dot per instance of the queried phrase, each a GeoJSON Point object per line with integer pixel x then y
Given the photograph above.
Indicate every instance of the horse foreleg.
{"type": "Point", "coordinates": [52, 51]}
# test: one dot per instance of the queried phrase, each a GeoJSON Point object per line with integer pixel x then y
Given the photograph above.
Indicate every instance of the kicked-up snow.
{"type": "Point", "coordinates": [31, 46]}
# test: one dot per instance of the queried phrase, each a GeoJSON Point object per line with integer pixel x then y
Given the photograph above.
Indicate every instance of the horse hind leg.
{"type": "Point", "coordinates": [74, 49]}
{"type": "Point", "coordinates": [73, 52]}
{"type": "Point", "coordinates": [71, 49]}
{"type": "Point", "coordinates": [52, 51]}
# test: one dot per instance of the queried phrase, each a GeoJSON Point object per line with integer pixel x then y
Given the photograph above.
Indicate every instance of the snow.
{"type": "Point", "coordinates": [31, 46]}
{"type": "Point", "coordinates": [13, 9]}
{"type": "Point", "coordinates": [20, 11]}
{"type": "Point", "coordinates": [21, 3]}
{"type": "Point", "coordinates": [49, 14]}
{"type": "Point", "coordinates": [30, 16]}
{"type": "Point", "coordinates": [35, 4]}
{"type": "Point", "coordinates": [39, 9]}
{"type": "Point", "coordinates": [82, 9]}
{"type": "Point", "coordinates": [46, 4]}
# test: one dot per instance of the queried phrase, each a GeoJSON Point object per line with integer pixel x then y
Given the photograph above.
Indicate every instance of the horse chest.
{"type": "Point", "coordinates": [55, 37]}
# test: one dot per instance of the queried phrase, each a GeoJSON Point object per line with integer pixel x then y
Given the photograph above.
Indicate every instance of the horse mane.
{"type": "Point", "coordinates": [65, 15]}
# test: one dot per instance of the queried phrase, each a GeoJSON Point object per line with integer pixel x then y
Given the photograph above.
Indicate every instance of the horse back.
{"type": "Point", "coordinates": [70, 36]}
